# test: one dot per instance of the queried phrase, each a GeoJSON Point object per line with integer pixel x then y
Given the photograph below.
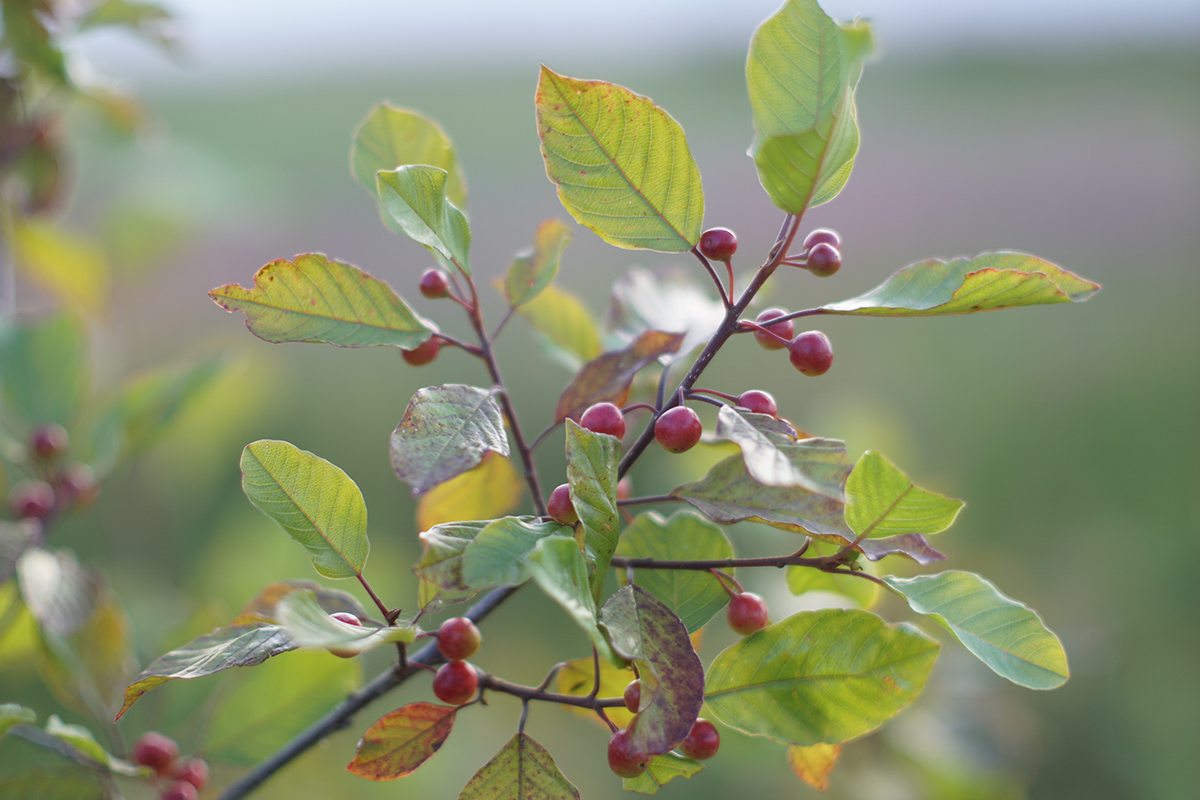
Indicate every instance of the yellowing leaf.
{"type": "Point", "coordinates": [73, 269]}
{"type": "Point", "coordinates": [490, 490]}
{"type": "Point", "coordinates": [399, 742]}
{"type": "Point", "coordinates": [814, 763]}
{"type": "Point", "coordinates": [577, 677]}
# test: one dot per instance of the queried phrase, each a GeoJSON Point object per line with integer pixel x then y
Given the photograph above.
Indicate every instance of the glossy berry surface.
{"type": "Point", "coordinates": [423, 353]}
{"type": "Point", "coordinates": [758, 402]}
{"type": "Point", "coordinates": [180, 790]}
{"type": "Point", "coordinates": [702, 741]}
{"type": "Point", "coordinates": [822, 236]}
{"type": "Point", "coordinates": [31, 499]}
{"type": "Point", "coordinates": [49, 441]}
{"type": "Point", "coordinates": [458, 638]}
{"type": "Point", "coordinates": [434, 284]}
{"type": "Point", "coordinates": [155, 751]}
{"type": "Point", "coordinates": [824, 260]}
{"type": "Point", "coordinates": [620, 760]}
{"type": "Point", "coordinates": [455, 683]}
{"type": "Point", "coordinates": [604, 418]}
{"type": "Point", "coordinates": [747, 613]}
{"type": "Point", "coordinates": [783, 330]}
{"type": "Point", "coordinates": [633, 696]}
{"type": "Point", "coordinates": [347, 617]}
{"type": "Point", "coordinates": [718, 244]}
{"type": "Point", "coordinates": [811, 353]}
{"type": "Point", "coordinates": [193, 771]}
{"type": "Point", "coordinates": [560, 506]}
{"type": "Point", "coordinates": [678, 429]}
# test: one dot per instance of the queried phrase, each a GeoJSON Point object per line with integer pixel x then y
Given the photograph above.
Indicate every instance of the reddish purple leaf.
{"type": "Point", "coordinates": [608, 377]}
{"type": "Point", "coordinates": [401, 741]}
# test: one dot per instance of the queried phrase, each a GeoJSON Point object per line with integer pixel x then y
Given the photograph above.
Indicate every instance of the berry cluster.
{"type": "Point", "coordinates": [456, 681]}
{"type": "Point", "coordinates": [702, 741]}
{"type": "Point", "coordinates": [182, 778]}
{"type": "Point", "coordinates": [60, 484]}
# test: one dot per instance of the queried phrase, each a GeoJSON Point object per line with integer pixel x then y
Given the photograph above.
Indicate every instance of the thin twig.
{"type": "Point", "coordinates": [653, 500]}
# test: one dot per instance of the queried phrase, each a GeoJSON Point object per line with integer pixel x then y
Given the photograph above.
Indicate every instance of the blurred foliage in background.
{"type": "Point", "coordinates": [1073, 437]}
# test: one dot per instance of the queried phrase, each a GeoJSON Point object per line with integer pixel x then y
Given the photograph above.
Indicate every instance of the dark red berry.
{"type": "Point", "coordinates": [824, 260]}
{"type": "Point", "coordinates": [604, 418]}
{"type": "Point", "coordinates": [49, 441]}
{"type": "Point", "coordinates": [31, 499]}
{"type": "Point", "coordinates": [434, 284]}
{"type": "Point", "coordinates": [822, 236]}
{"type": "Point", "coordinates": [180, 790]}
{"type": "Point", "coordinates": [155, 751]}
{"type": "Point", "coordinates": [718, 244]}
{"type": "Point", "coordinates": [560, 506]}
{"type": "Point", "coordinates": [458, 638]}
{"type": "Point", "coordinates": [758, 402]}
{"type": "Point", "coordinates": [192, 770]}
{"type": "Point", "coordinates": [343, 652]}
{"type": "Point", "coordinates": [620, 760]}
{"type": "Point", "coordinates": [811, 353]}
{"type": "Point", "coordinates": [678, 429]}
{"type": "Point", "coordinates": [633, 696]}
{"type": "Point", "coordinates": [702, 741]}
{"type": "Point", "coordinates": [747, 613]}
{"type": "Point", "coordinates": [455, 683]}
{"type": "Point", "coordinates": [423, 353]}
{"type": "Point", "coordinates": [781, 329]}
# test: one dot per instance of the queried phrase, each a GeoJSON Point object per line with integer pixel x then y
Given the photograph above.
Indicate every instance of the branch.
{"type": "Point", "coordinates": [488, 681]}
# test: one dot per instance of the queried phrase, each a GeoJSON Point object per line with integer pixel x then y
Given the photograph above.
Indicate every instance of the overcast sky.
{"type": "Point", "coordinates": [268, 37]}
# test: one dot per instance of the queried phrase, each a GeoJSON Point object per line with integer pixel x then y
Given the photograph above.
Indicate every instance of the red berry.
{"type": "Point", "coordinates": [620, 760]}
{"type": "Point", "coordinates": [718, 244]}
{"type": "Point", "coordinates": [758, 402]}
{"type": "Point", "coordinates": [702, 741]}
{"type": "Point", "coordinates": [604, 418]}
{"type": "Point", "coordinates": [560, 506]}
{"type": "Point", "coordinates": [458, 638]}
{"type": "Point", "coordinates": [678, 429]}
{"type": "Point", "coordinates": [823, 260]}
{"type": "Point", "coordinates": [822, 236]}
{"type": "Point", "coordinates": [342, 652]}
{"type": "Point", "coordinates": [434, 284]}
{"type": "Point", "coordinates": [633, 696]}
{"type": "Point", "coordinates": [747, 613]}
{"type": "Point", "coordinates": [78, 484]}
{"type": "Point", "coordinates": [49, 441]}
{"type": "Point", "coordinates": [455, 683]}
{"type": "Point", "coordinates": [811, 353]}
{"type": "Point", "coordinates": [781, 329]}
{"type": "Point", "coordinates": [624, 488]}
{"type": "Point", "coordinates": [31, 499]}
{"type": "Point", "coordinates": [155, 751]}
{"type": "Point", "coordinates": [180, 790]}
{"type": "Point", "coordinates": [193, 771]}
{"type": "Point", "coordinates": [423, 353]}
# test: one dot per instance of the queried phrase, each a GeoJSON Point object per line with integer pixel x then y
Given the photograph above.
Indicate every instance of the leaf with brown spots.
{"type": "Point", "coordinates": [401, 741]}
{"type": "Point", "coordinates": [608, 377]}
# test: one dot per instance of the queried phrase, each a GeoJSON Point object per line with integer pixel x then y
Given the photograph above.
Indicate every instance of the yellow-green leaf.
{"type": "Point", "coordinates": [532, 270]}
{"type": "Point", "coordinates": [884, 502]}
{"type": "Point", "coordinates": [566, 323]}
{"type": "Point", "coordinates": [68, 266]}
{"type": "Point", "coordinates": [391, 137]}
{"type": "Point", "coordinates": [813, 764]}
{"type": "Point", "coordinates": [490, 490]}
{"type": "Point", "coordinates": [522, 770]}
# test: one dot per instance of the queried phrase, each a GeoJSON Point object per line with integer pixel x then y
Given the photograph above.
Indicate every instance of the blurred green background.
{"type": "Point", "coordinates": [1071, 432]}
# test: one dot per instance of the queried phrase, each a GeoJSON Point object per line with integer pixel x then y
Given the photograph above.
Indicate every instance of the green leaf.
{"type": "Point", "coordinates": [57, 785]}
{"type": "Point", "coordinates": [310, 625]}
{"type": "Point", "coordinates": [317, 299]}
{"type": "Point", "coordinates": [489, 490]}
{"type": "Point", "coordinates": [12, 714]}
{"type": "Point", "coordinates": [1006, 635]}
{"type": "Point", "coordinates": [81, 739]}
{"type": "Point", "coordinates": [239, 645]}
{"type": "Point", "coordinates": [819, 676]}
{"type": "Point", "coordinates": [592, 460]}
{"type": "Point", "coordinates": [391, 137]}
{"type": "Point", "coordinates": [399, 742]}
{"type": "Point", "coordinates": [727, 494]}
{"type": "Point", "coordinates": [664, 300]}
{"type": "Point", "coordinates": [661, 770]}
{"type": "Point", "coordinates": [442, 556]}
{"type": "Point", "coordinates": [775, 457]}
{"type": "Point", "coordinates": [621, 164]}
{"type": "Point", "coordinates": [68, 266]}
{"type": "Point", "coordinates": [609, 377]}
{"type": "Point", "coordinates": [964, 285]}
{"type": "Point", "coordinates": [801, 75]}
{"type": "Point", "coordinates": [270, 705]}
{"type": "Point", "coordinates": [559, 569]}
{"type": "Point", "coordinates": [314, 501]}
{"type": "Point", "coordinates": [264, 606]}
{"type": "Point", "coordinates": [567, 325]}
{"type": "Point", "coordinates": [532, 270]}
{"type": "Point", "coordinates": [645, 631]}
{"type": "Point", "coordinates": [862, 592]}
{"type": "Point", "coordinates": [445, 431]}
{"type": "Point", "coordinates": [415, 199]}
{"type": "Point", "coordinates": [44, 369]}
{"type": "Point", "coordinates": [693, 595]}
{"type": "Point", "coordinates": [26, 34]}
{"type": "Point", "coordinates": [522, 770]}
{"type": "Point", "coordinates": [499, 554]}
{"type": "Point", "coordinates": [884, 502]}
